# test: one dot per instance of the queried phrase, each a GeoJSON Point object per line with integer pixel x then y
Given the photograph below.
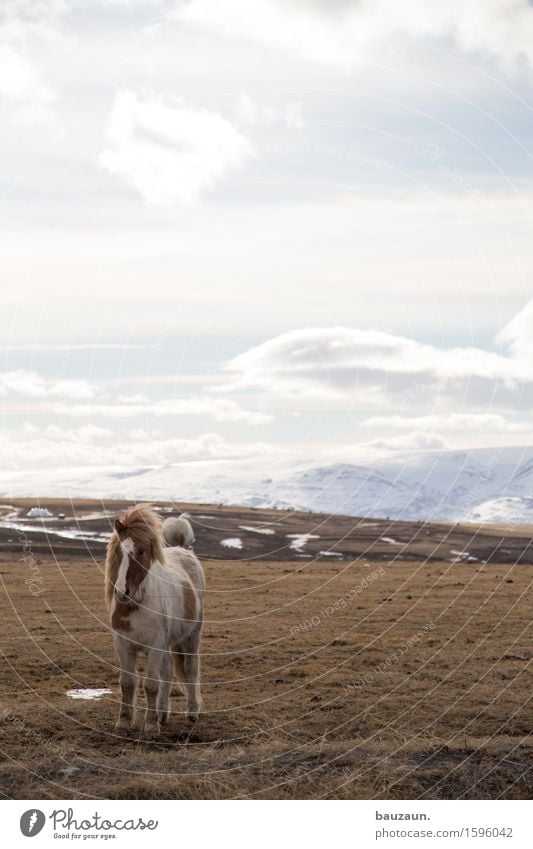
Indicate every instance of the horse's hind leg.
{"type": "Point", "coordinates": [164, 689]}
{"type": "Point", "coordinates": [179, 671]}
{"type": "Point", "coordinates": [191, 668]}
{"type": "Point", "coordinates": [128, 684]}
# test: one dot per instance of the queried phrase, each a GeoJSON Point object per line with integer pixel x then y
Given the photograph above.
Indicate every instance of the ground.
{"type": "Point", "coordinates": [399, 670]}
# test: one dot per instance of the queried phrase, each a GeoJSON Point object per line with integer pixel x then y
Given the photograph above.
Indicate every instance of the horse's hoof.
{"type": "Point", "coordinates": [193, 717]}
{"type": "Point", "coordinates": [122, 727]}
{"type": "Point", "coordinates": [152, 731]}
{"type": "Point", "coordinates": [163, 718]}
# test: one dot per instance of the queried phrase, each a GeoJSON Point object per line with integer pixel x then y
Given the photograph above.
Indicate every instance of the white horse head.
{"type": "Point", "coordinates": [136, 544]}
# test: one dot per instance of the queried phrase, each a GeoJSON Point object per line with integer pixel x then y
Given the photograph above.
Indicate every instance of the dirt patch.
{"type": "Point", "coordinates": [362, 678]}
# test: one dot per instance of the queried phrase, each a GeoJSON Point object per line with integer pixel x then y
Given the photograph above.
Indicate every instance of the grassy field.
{"type": "Point", "coordinates": [374, 677]}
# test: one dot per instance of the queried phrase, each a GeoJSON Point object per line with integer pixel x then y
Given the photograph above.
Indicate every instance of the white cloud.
{"type": "Point", "coordinates": [138, 398]}
{"type": "Point", "coordinates": [221, 410]}
{"type": "Point", "coordinates": [270, 254]}
{"type": "Point", "coordinates": [270, 24]}
{"type": "Point", "coordinates": [374, 367]}
{"type": "Point", "coordinates": [251, 111]}
{"type": "Point", "coordinates": [33, 385]}
{"type": "Point", "coordinates": [87, 399]}
{"type": "Point", "coordinates": [449, 422]}
{"type": "Point", "coordinates": [20, 79]}
{"type": "Point", "coordinates": [29, 35]}
{"type": "Point", "coordinates": [416, 440]}
{"type": "Point", "coordinates": [294, 114]}
{"type": "Point", "coordinates": [86, 433]}
{"type": "Point", "coordinates": [343, 33]}
{"type": "Point", "coordinates": [34, 347]}
{"type": "Point", "coordinates": [170, 153]}
{"type": "Point", "coordinates": [518, 334]}
{"type": "Point", "coordinates": [36, 10]}
{"type": "Point", "coordinates": [218, 409]}
{"type": "Point", "coordinates": [56, 447]}
{"type": "Point", "coordinates": [26, 97]}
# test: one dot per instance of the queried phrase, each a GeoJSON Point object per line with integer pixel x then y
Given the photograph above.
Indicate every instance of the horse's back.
{"type": "Point", "coordinates": [182, 558]}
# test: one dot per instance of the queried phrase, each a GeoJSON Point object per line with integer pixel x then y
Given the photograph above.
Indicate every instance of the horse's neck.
{"type": "Point", "coordinates": [155, 575]}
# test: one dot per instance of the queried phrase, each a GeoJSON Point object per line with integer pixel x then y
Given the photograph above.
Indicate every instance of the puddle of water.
{"type": "Point", "coordinates": [88, 693]}
{"type": "Point", "coordinates": [89, 536]}
{"type": "Point", "coordinates": [88, 517]}
{"type": "Point", "coordinates": [83, 535]}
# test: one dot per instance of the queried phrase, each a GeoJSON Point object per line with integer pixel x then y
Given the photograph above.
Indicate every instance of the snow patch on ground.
{"type": "Point", "coordinates": [88, 693]}
{"type": "Point", "coordinates": [461, 556]}
{"type": "Point", "coordinates": [390, 540]}
{"type": "Point", "coordinates": [39, 513]}
{"type": "Point", "coordinates": [266, 531]}
{"type": "Point", "coordinates": [331, 554]}
{"type": "Point", "coordinates": [232, 542]}
{"type": "Point", "coordinates": [299, 541]}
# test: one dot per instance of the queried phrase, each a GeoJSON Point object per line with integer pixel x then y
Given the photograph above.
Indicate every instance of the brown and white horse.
{"type": "Point", "coordinates": [155, 598]}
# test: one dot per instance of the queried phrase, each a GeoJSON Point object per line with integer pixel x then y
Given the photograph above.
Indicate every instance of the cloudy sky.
{"type": "Point", "coordinates": [249, 227]}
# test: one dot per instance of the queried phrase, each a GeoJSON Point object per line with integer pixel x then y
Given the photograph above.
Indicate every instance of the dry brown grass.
{"type": "Point", "coordinates": [344, 708]}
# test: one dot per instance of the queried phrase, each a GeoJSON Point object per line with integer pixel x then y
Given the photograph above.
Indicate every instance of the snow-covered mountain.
{"type": "Point", "coordinates": [484, 485]}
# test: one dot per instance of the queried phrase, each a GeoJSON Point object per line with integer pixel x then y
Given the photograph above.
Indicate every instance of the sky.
{"type": "Point", "coordinates": [264, 228]}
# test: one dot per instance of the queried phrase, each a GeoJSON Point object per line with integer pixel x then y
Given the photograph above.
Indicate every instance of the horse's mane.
{"type": "Point", "coordinates": [143, 526]}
